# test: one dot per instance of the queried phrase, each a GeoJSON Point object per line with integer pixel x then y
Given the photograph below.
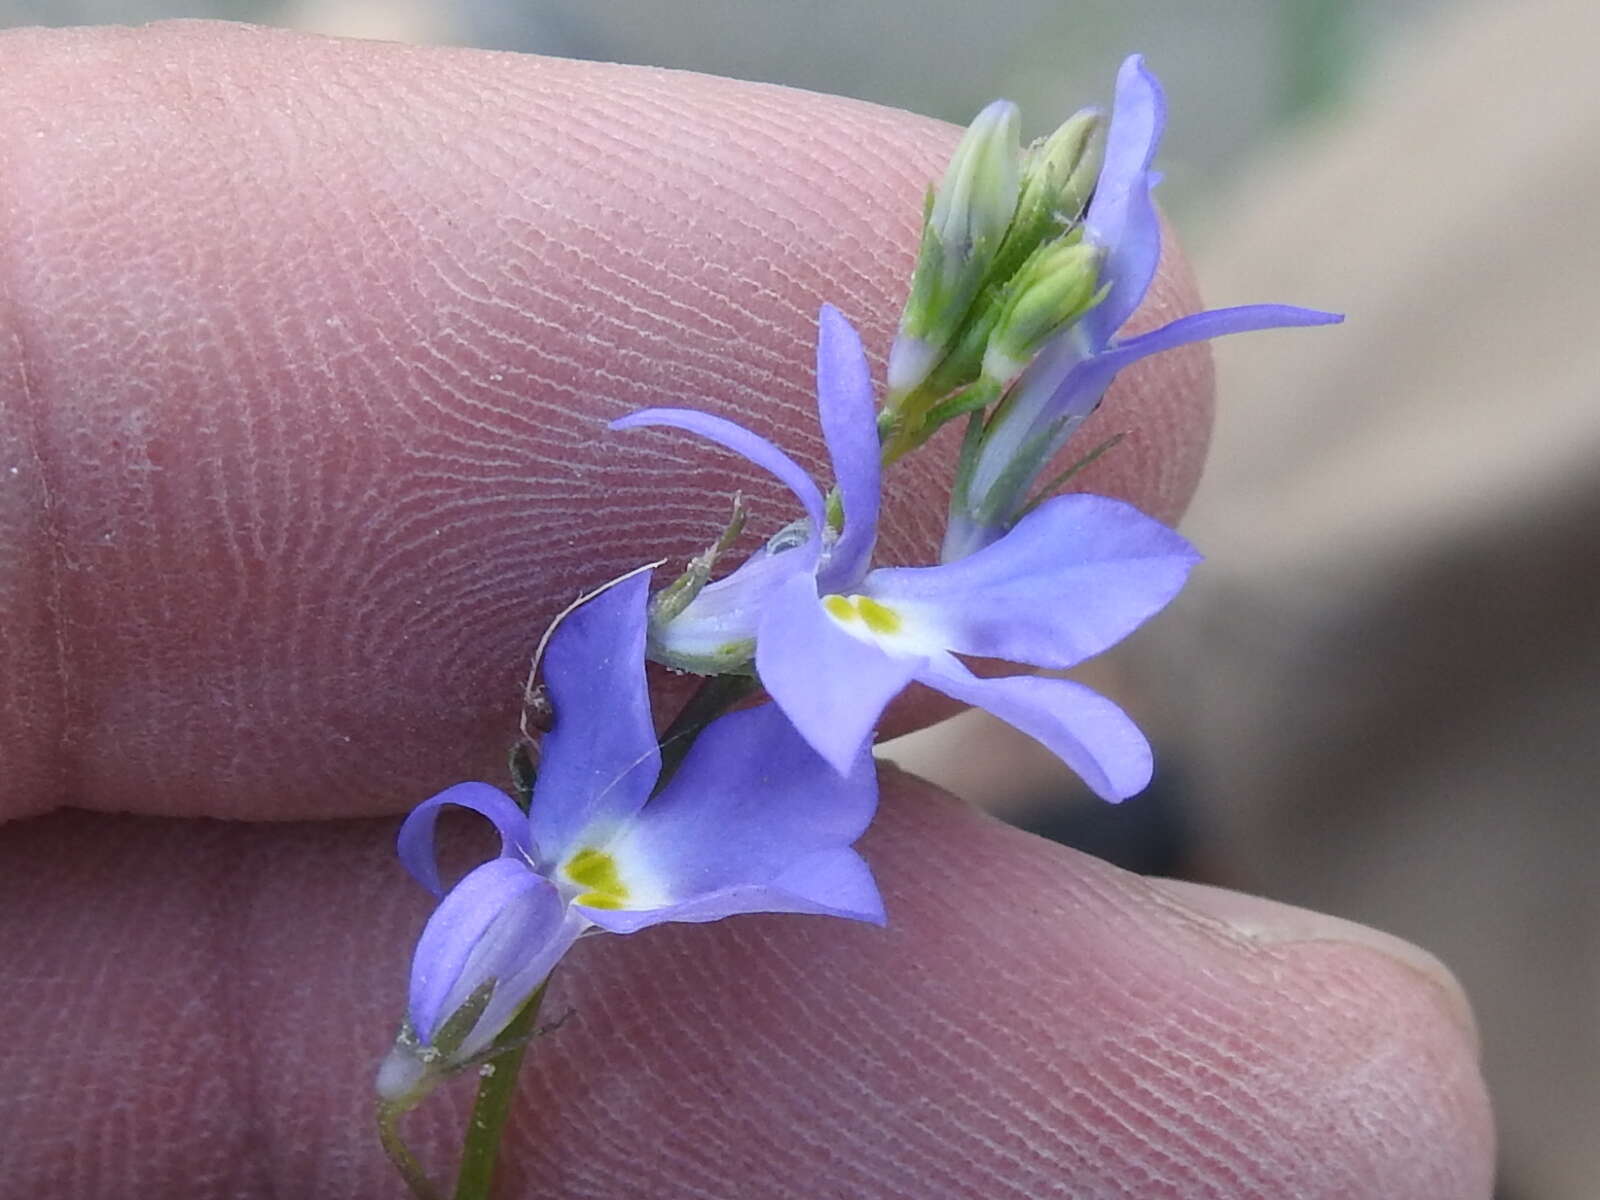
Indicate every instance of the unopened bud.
{"type": "Point", "coordinates": [1058, 177]}
{"type": "Point", "coordinates": [963, 230]}
{"type": "Point", "coordinates": [1054, 287]}
{"type": "Point", "coordinates": [973, 205]}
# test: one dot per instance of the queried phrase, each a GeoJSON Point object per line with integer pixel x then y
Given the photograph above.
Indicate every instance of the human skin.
{"type": "Point", "coordinates": [305, 353]}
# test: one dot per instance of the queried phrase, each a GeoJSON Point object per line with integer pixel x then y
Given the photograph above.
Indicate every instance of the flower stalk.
{"type": "Point", "coordinates": [497, 1084]}
{"type": "Point", "coordinates": [400, 1156]}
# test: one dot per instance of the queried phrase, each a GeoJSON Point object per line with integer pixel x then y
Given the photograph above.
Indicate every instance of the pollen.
{"type": "Point", "coordinates": [597, 871]}
{"type": "Point", "coordinates": [874, 614]}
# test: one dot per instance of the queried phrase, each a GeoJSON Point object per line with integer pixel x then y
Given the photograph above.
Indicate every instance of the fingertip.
{"type": "Point", "coordinates": [1272, 923]}
{"type": "Point", "coordinates": [1204, 1042]}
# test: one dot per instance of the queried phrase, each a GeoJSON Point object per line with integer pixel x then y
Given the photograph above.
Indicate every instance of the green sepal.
{"type": "Point", "coordinates": [524, 771]}
{"type": "Point", "coordinates": [733, 658]}
{"type": "Point", "coordinates": [669, 603]}
{"type": "Point", "coordinates": [1050, 488]}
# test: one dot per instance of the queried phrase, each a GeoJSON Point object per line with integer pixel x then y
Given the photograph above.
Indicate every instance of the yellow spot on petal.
{"type": "Point", "coordinates": [840, 608]}
{"type": "Point", "coordinates": [880, 618]}
{"type": "Point", "coordinates": [874, 614]}
{"type": "Point", "coordinates": [597, 871]}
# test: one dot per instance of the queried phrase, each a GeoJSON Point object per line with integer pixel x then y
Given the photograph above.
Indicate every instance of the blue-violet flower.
{"type": "Point", "coordinates": [753, 821]}
{"type": "Point", "coordinates": [835, 641]}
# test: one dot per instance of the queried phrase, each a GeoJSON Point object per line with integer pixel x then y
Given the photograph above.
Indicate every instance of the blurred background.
{"type": "Point", "coordinates": [1381, 695]}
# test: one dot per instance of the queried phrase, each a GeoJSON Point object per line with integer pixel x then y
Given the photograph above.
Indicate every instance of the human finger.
{"type": "Point", "coordinates": [306, 355]}
{"type": "Point", "coordinates": [195, 1008]}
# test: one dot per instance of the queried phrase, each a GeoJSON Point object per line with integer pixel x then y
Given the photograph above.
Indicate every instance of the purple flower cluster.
{"type": "Point", "coordinates": [762, 812]}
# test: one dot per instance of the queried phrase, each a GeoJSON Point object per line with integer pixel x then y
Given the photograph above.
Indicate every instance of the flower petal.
{"type": "Point", "coordinates": [741, 441]}
{"type": "Point", "coordinates": [1061, 387]}
{"type": "Point", "coordinates": [599, 762]}
{"type": "Point", "coordinates": [835, 883]}
{"type": "Point", "coordinates": [831, 685]}
{"type": "Point", "coordinates": [1081, 387]}
{"type": "Point", "coordinates": [525, 968]}
{"type": "Point", "coordinates": [846, 406]}
{"type": "Point", "coordinates": [1082, 728]}
{"type": "Point", "coordinates": [1121, 216]}
{"type": "Point", "coordinates": [830, 883]}
{"type": "Point", "coordinates": [502, 922]}
{"type": "Point", "coordinates": [1074, 577]}
{"type": "Point", "coordinates": [752, 803]}
{"type": "Point", "coordinates": [415, 842]}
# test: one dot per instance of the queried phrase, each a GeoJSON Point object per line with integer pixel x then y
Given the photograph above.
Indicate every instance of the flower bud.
{"type": "Point", "coordinates": [1058, 177]}
{"type": "Point", "coordinates": [973, 205]}
{"type": "Point", "coordinates": [1054, 287]}
{"type": "Point", "coordinates": [963, 229]}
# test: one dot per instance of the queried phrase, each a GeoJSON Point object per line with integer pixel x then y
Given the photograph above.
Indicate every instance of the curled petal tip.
{"type": "Point", "coordinates": [1134, 72]}
{"type": "Point", "coordinates": [1291, 315]}
{"type": "Point", "coordinates": [632, 420]}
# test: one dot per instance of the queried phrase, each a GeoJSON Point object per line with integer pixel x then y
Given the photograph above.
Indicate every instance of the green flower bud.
{"type": "Point", "coordinates": [1056, 285]}
{"type": "Point", "coordinates": [973, 205]}
{"type": "Point", "coordinates": [1058, 177]}
{"type": "Point", "coordinates": [963, 229]}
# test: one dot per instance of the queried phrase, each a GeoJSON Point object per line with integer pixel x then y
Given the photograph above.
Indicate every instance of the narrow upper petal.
{"type": "Point", "coordinates": [1082, 386]}
{"type": "Point", "coordinates": [741, 441]}
{"type": "Point", "coordinates": [600, 760]}
{"type": "Point", "coordinates": [831, 685]}
{"type": "Point", "coordinates": [846, 406]}
{"type": "Point", "coordinates": [415, 843]}
{"type": "Point", "coordinates": [1082, 728]}
{"type": "Point", "coordinates": [1074, 577]}
{"type": "Point", "coordinates": [500, 919]}
{"type": "Point", "coordinates": [1122, 216]}
{"type": "Point", "coordinates": [1063, 385]}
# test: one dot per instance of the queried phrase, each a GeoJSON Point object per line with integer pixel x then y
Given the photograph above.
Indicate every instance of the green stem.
{"type": "Point", "coordinates": [711, 699]}
{"type": "Point", "coordinates": [400, 1154]}
{"type": "Point", "coordinates": [497, 1083]}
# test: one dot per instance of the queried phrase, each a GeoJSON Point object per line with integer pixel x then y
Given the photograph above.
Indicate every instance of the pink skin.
{"type": "Point", "coordinates": [304, 356]}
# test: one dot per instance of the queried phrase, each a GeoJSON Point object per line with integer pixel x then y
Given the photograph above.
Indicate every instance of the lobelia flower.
{"type": "Point", "coordinates": [753, 821]}
{"type": "Point", "coordinates": [1067, 379]}
{"type": "Point", "coordinates": [835, 641]}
